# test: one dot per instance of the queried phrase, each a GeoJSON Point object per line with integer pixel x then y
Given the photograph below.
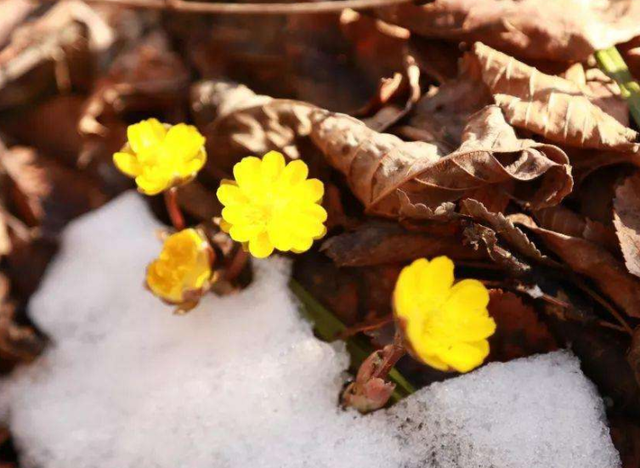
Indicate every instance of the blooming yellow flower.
{"type": "Point", "coordinates": [445, 325]}
{"type": "Point", "coordinates": [182, 271]}
{"type": "Point", "coordinates": [272, 205]}
{"type": "Point", "coordinates": [159, 156]}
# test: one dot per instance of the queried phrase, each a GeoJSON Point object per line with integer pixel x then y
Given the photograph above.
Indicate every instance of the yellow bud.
{"type": "Point", "coordinates": [182, 272]}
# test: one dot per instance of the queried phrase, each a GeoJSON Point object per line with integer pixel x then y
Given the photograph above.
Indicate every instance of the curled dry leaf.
{"type": "Point", "coordinates": [562, 30]}
{"type": "Point", "coordinates": [441, 115]}
{"type": "Point", "coordinates": [595, 262]}
{"type": "Point", "coordinates": [519, 331]}
{"type": "Point", "coordinates": [480, 236]}
{"type": "Point", "coordinates": [626, 218]}
{"type": "Point", "coordinates": [394, 178]}
{"type": "Point", "coordinates": [503, 227]}
{"type": "Point", "coordinates": [549, 105]}
{"type": "Point", "coordinates": [247, 123]}
{"type": "Point", "coordinates": [380, 242]}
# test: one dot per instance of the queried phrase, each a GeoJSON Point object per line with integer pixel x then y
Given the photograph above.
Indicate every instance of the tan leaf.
{"type": "Point", "coordinates": [380, 168]}
{"type": "Point", "coordinates": [595, 262]}
{"type": "Point", "coordinates": [550, 106]}
{"type": "Point", "coordinates": [506, 230]}
{"type": "Point", "coordinates": [251, 124]}
{"type": "Point", "coordinates": [377, 242]}
{"type": "Point", "coordinates": [441, 115]}
{"type": "Point", "coordinates": [483, 237]}
{"type": "Point", "coordinates": [563, 30]}
{"type": "Point", "coordinates": [626, 218]}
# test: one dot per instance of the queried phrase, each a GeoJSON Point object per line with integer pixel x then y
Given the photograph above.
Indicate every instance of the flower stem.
{"type": "Point", "coordinates": [171, 202]}
{"type": "Point", "coordinates": [397, 351]}
{"type": "Point", "coordinates": [611, 62]}
{"type": "Point", "coordinates": [329, 327]}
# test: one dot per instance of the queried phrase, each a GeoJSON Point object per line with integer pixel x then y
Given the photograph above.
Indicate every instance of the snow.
{"type": "Point", "coordinates": [242, 382]}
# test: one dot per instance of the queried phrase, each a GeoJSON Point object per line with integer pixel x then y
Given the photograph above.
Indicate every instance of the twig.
{"type": "Point", "coordinates": [183, 6]}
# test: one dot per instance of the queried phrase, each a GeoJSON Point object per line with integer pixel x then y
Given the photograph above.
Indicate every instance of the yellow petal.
{"type": "Point", "coordinates": [127, 163]}
{"type": "Point", "coordinates": [272, 166]}
{"type": "Point", "coordinates": [465, 357]}
{"type": "Point", "coordinates": [295, 172]}
{"type": "Point", "coordinates": [247, 174]}
{"type": "Point", "coordinates": [280, 237]}
{"type": "Point", "coordinates": [260, 246]}
{"type": "Point", "coordinates": [436, 279]}
{"type": "Point", "coordinates": [230, 195]}
{"type": "Point", "coordinates": [145, 134]}
{"type": "Point", "coordinates": [184, 140]}
{"type": "Point", "coordinates": [467, 295]}
{"type": "Point", "coordinates": [315, 211]}
{"type": "Point", "coordinates": [311, 190]}
{"type": "Point", "coordinates": [152, 185]}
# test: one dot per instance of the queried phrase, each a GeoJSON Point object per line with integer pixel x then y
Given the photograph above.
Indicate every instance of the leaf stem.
{"type": "Point", "coordinates": [329, 327]}
{"type": "Point", "coordinates": [611, 62]}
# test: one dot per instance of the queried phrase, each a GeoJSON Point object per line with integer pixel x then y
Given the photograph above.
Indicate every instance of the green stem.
{"type": "Point", "coordinates": [611, 62]}
{"type": "Point", "coordinates": [329, 327]}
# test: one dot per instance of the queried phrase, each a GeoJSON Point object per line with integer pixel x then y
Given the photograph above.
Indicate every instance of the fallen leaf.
{"type": "Point", "coordinates": [549, 105]}
{"type": "Point", "coordinates": [480, 236]}
{"type": "Point", "coordinates": [380, 242]}
{"type": "Point", "coordinates": [394, 178]}
{"type": "Point", "coordinates": [626, 218]}
{"type": "Point", "coordinates": [519, 331]}
{"type": "Point", "coordinates": [250, 124]}
{"type": "Point", "coordinates": [442, 114]}
{"type": "Point", "coordinates": [506, 230]}
{"type": "Point", "coordinates": [595, 262]}
{"type": "Point", "coordinates": [562, 30]}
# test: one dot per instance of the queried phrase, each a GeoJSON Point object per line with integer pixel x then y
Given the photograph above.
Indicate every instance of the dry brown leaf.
{"type": "Point", "coordinates": [595, 262]}
{"type": "Point", "coordinates": [250, 124]}
{"type": "Point", "coordinates": [626, 218]}
{"type": "Point", "coordinates": [563, 30]}
{"type": "Point", "coordinates": [378, 242]}
{"type": "Point", "coordinates": [549, 105]}
{"type": "Point", "coordinates": [441, 116]}
{"type": "Point", "coordinates": [519, 332]}
{"type": "Point", "coordinates": [506, 230]}
{"type": "Point", "coordinates": [485, 238]}
{"type": "Point", "coordinates": [393, 104]}
{"type": "Point", "coordinates": [394, 178]}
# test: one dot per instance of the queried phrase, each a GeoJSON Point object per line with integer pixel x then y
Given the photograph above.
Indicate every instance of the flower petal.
{"type": "Point", "coordinates": [261, 246]}
{"type": "Point", "coordinates": [127, 163]}
{"type": "Point", "coordinates": [467, 295]}
{"type": "Point", "coordinates": [272, 166]}
{"type": "Point", "coordinates": [145, 135]}
{"type": "Point", "coordinates": [231, 195]}
{"type": "Point", "coordinates": [183, 142]}
{"type": "Point", "coordinates": [246, 173]}
{"type": "Point", "coordinates": [152, 184]}
{"type": "Point", "coordinates": [465, 357]}
{"type": "Point", "coordinates": [295, 172]}
{"type": "Point", "coordinates": [311, 190]}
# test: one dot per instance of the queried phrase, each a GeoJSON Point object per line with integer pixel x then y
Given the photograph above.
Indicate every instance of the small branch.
{"type": "Point", "coordinates": [183, 6]}
{"type": "Point", "coordinates": [171, 202]}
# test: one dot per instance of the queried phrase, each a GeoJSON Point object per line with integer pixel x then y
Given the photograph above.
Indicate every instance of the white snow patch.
{"type": "Point", "coordinates": [241, 381]}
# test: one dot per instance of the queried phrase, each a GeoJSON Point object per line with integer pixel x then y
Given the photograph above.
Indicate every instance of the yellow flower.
{"type": "Point", "coordinates": [182, 271]}
{"type": "Point", "coordinates": [445, 325]}
{"type": "Point", "coordinates": [271, 205]}
{"type": "Point", "coordinates": [159, 156]}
